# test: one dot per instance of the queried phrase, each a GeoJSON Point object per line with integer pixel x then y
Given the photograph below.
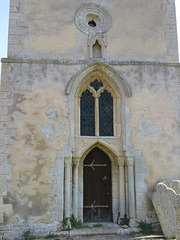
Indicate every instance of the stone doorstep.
{"type": "Point", "coordinates": [107, 229]}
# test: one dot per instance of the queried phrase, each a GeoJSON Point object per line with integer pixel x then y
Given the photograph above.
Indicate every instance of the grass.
{"type": "Point", "coordinates": [72, 223]}
{"type": "Point", "coordinates": [27, 235]}
{"type": "Point", "coordinates": [77, 224]}
{"type": "Point", "coordinates": [145, 228]}
{"type": "Point", "coordinates": [97, 225]}
{"type": "Point", "coordinates": [132, 234]}
{"type": "Point", "coordinates": [50, 235]}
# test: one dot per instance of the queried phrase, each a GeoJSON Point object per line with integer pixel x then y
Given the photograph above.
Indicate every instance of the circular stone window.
{"type": "Point", "coordinates": [92, 18]}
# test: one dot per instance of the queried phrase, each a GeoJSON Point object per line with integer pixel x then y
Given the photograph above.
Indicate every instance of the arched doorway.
{"type": "Point", "coordinates": [97, 187]}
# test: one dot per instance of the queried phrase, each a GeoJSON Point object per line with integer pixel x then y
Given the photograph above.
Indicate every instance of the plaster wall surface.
{"type": "Point", "coordinates": [140, 29]}
{"type": "Point", "coordinates": [34, 158]}
{"type": "Point", "coordinates": [48, 60]}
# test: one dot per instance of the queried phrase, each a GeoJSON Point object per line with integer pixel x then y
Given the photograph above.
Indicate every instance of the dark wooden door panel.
{"type": "Point", "coordinates": [97, 187]}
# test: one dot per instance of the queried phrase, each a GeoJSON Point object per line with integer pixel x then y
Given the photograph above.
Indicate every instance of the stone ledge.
{"type": "Point", "coordinates": [88, 61]}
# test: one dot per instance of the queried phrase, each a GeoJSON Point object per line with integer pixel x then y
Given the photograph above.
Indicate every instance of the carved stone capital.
{"type": "Point", "coordinates": [121, 161]}
{"type": "Point", "coordinates": [130, 161]}
{"type": "Point", "coordinates": [76, 161]}
{"type": "Point", "coordinates": [67, 162]}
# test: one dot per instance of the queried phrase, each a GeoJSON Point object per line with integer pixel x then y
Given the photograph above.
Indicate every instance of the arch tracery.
{"type": "Point", "coordinates": [113, 83]}
{"type": "Point", "coordinates": [101, 71]}
{"type": "Point", "coordinates": [108, 80]}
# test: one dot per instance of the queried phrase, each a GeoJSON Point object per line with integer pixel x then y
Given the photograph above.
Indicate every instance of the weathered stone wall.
{"type": "Point", "coordinates": [36, 127]}
{"type": "Point", "coordinates": [36, 130]}
{"type": "Point", "coordinates": [140, 29]}
{"type": "Point", "coordinates": [38, 112]}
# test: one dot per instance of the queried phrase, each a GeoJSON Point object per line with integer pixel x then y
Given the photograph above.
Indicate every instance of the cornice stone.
{"type": "Point", "coordinates": [112, 62]}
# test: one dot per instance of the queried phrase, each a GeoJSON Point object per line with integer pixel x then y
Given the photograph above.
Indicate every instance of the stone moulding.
{"type": "Point", "coordinates": [96, 13]}
{"type": "Point", "coordinates": [112, 62]}
{"type": "Point", "coordinates": [113, 82]}
{"type": "Point", "coordinates": [98, 68]}
{"type": "Point", "coordinates": [82, 151]}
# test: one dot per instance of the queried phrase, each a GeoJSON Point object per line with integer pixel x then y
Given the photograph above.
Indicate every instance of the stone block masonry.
{"type": "Point", "coordinates": [4, 208]}
{"type": "Point", "coordinates": [5, 132]}
{"type": "Point", "coordinates": [170, 33]}
{"type": "Point", "coordinates": [17, 28]}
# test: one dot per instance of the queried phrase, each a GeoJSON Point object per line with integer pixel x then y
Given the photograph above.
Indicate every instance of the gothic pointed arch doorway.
{"type": "Point", "coordinates": [97, 187]}
{"type": "Point", "coordinates": [98, 89]}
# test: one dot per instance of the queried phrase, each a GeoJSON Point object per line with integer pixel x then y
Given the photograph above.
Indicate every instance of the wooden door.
{"type": "Point", "coordinates": [97, 187]}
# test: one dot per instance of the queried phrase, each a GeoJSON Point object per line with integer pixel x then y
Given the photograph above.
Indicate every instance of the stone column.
{"type": "Point", "coordinates": [67, 185]}
{"type": "Point", "coordinates": [132, 211]}
{"type": "Point", "coordinates": [121, 186]}
{"type": "Point", "coordinates": [97, 116]}
{"type": "Point", "coordinates": [75, 186]}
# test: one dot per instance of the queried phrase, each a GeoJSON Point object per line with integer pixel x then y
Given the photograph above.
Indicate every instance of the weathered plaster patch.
{"type": "Point", "coordinates": [49, 131]}
{"type": "Point", "coordinates": [146, 129]}
{"type": "Point", "coordinates": [62, 125]}
{"type": "Point", "coordinates": [29, 184]}
{"type": "Point", "coordinates": [27, 153]}
{"type": "Point", "coordinates": [178, 128]}
{"type": "Point", "coordinates": [52, 113]}
{"type": "Point", "coordinates": [176, 151]}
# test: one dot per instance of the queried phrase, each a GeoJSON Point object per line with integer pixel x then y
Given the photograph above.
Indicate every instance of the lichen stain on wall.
{"type": "Point", "coordinates": [32, 154]}
{"type": "Point", "coordinates": [157, 110]}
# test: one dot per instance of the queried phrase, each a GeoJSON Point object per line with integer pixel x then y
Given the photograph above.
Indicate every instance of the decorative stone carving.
{"type": "Point", "coordinates": [52, 113]}
{"type": "Point", "coordinates": [95, 13]}
{"type": "Point", "coordinates": [101, 38]}
{"type": "Point", "coordinates": [94, 21]}
{"type": "Point", "coordinates": [130, 161]}
{"type": "Point", "coordinates": [49, 131]}
{"type": "Point", "coordinates": [163, 199]}
{"type": "Point", "coordinates": [121, 161]}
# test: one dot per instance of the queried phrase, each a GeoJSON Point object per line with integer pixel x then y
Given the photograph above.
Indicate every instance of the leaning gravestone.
{"type": "Point", "coordinates": [177, 206]}
{"type": "Point", "coordinates": [174, 184]}
{"type": "Point", "coordinates": [163, 199]}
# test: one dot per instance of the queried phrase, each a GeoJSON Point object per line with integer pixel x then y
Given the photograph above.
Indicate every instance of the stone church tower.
{"type": "Point", "coordinates": [89, 111]}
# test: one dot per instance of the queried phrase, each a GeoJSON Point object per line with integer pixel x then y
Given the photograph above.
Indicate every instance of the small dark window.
{"type": "Point", "coordinates": [87, 114]}
{"type": "Point", "coordinates": [92, 23]}
{"type": "Point", "coordinates": [106, 114]}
